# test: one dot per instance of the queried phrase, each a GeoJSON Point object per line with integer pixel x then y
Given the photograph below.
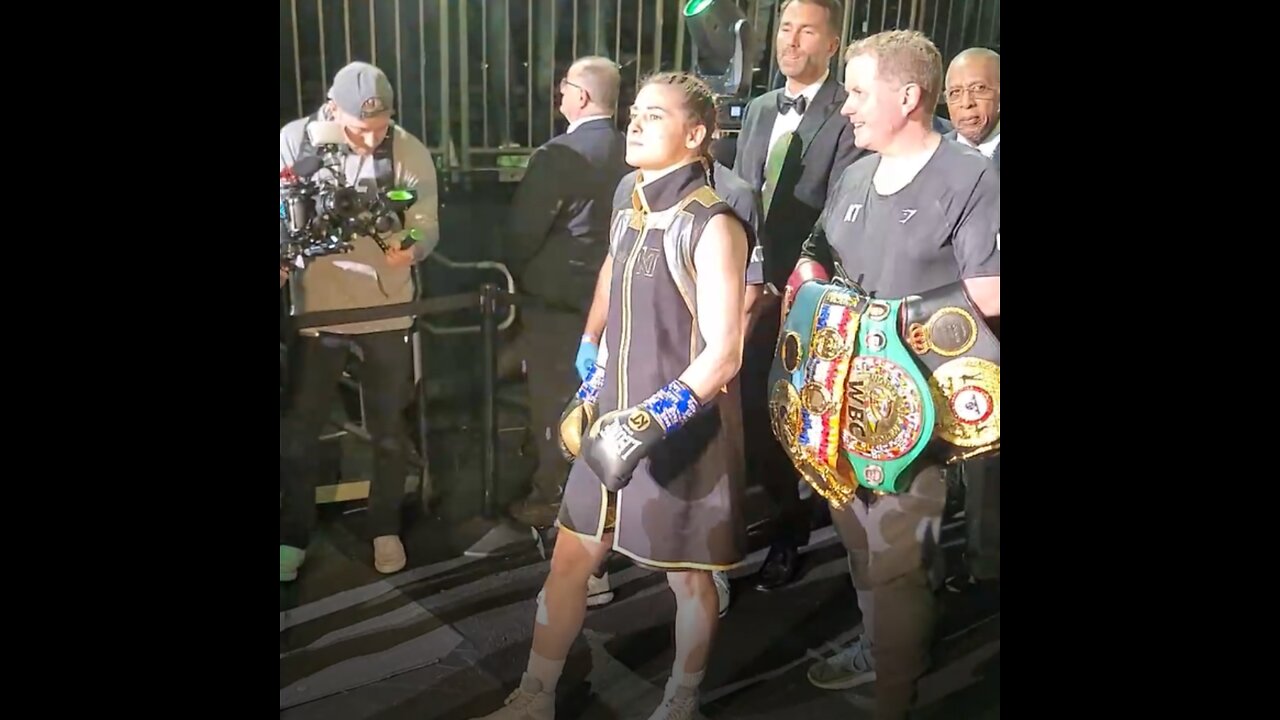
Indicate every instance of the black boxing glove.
{"type": "Point", "coordinates": [580, 413]}
{"type": "Point", "coordinates": [619, 440]}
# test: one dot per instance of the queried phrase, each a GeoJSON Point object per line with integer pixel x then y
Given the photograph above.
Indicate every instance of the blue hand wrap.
{"type": "Point", "coordinates": [673, 405]}
{"type": "Point", "coordinates": [590, 388]}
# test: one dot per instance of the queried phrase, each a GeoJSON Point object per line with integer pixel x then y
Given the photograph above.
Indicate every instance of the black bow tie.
{"type": "Point", "coordinates": [785, 103]}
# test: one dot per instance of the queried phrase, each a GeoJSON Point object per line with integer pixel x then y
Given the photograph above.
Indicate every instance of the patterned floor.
{"type": "Point", "coordinates": [448, 638]}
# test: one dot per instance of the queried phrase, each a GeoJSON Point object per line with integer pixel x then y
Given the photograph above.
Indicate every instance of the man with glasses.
{"type": "Point", "coordinates": [972, 93]}
{"type": "Point", "coordinates": [555, 241]}
{"type": "Point", "coordinates": [973, 99]}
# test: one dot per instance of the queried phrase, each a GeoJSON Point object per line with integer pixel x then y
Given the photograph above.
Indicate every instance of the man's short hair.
{"type": "Point", "coordinates": [602, 79]}
{"type": "Point", "coordinates": [904, 56]}
{"type": "Point", "coordinates": [835, 13]}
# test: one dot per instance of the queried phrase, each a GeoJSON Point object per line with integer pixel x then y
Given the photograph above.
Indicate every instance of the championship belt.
{"type": "Point", "coordinates": [807, 383]}
{"type": "Point", "coordinates": [860, 388]}
{"type": "Point", "coordinates": [949, 338]}
{"type": "Point", "coordinates": [889, 412]}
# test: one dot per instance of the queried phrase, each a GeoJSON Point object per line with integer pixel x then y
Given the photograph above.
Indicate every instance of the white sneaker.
{"type": "Point", "coordinates": [680, 704]}
{"type": "Point", "coordinates": [598, 590]}
{"type": "Point", "coordinates": [528, 702]}
{"type": "Point", "coordinates": [849, 668]}
{"type": "Point", "coordinates": [721, 579]}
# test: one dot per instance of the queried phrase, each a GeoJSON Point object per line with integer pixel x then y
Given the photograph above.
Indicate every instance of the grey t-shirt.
{"type": "Point", "coordinates": [736, 193]}
{"type": "Point", "coordinates": [944, 226]}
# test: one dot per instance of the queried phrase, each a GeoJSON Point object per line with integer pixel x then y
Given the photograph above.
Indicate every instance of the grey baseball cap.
{"type": "Point", "coordinates": [362, 90]}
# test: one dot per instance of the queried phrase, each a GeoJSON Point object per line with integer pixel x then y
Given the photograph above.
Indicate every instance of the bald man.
{"type": "Point", "coordinates": [972, 92]}
{"type": "Point", "coordinates": [556, 240]}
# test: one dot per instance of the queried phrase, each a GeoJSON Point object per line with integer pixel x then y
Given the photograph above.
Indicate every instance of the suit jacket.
{"type": "Point", "coordinates": [558, 227]}
{"type": "Point", "coordinates": [812, 166]}
{"type": "Point", "coordinates": [995, 156]}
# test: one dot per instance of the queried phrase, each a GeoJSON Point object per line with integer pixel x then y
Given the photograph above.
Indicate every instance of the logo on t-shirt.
{"type": "Point", "coordinates": [907, 215]}
{"type": "Point", "coordinates": [851, 215]}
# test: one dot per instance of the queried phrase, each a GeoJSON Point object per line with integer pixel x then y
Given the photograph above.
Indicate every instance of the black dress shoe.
{"type": "Point", "coordinates": [780, 567]}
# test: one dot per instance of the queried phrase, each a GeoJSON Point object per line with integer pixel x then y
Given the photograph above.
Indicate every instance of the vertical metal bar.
{"type": "Point", "coordinates": [425, 484]}
{"type": "Point", "coordinates": [484, 72]}
{"type": "Point", "coordinates": [617, 34]}
{"type": "Point", "coordinates": [528, 74]}
{"type": "Point", "coordinates": [399, 75]}
{"type": "Point", "coordinates": [884, 12]}
{"type": "Point", "coordinates": [373, 37]}
{"type": "Point", "coordinates": [297, 65]}
{"type": "Point", "coordinates": [977, 39]}
{"type": "Point", "coordinates": [445, 140]}
{"type": "Point", "coordinates": [574, 39]}
{"type": "Point", "coordinates": [489, 370]}
{"type": "Point", "coordinates": [933, 32]}
{"type": "Point", "coordinates": [639, 43]}
{"type": "Point", "coordinates": [915, 13]}
{"type": "Point", "coordinates": [422, 72]}
{"type": "Point", "coordinates": [657, 37]}
{"type": "Point", "coordinates": [845, 33]}
{"type": "Point", "coordinates": [595, 31]}
{"type": "Point", "coordinates": [995, 17]}
{"type": "Point", "coordinates": [763, 42]}
{"type": "Point", "coordinates": [946, 32]}
{"type": "Point", "coordinates": [773, 56]}
{"type": "Point", "coordinates": [897, 24]}
{"type": "Point", "coordinates": [964, 26]}
{"type": "Point", "coordinates": [506, 74]}
{"type": "Point", "coordinates": [324, 69]}
{"type": "Point", "coordinates": [551, 77]}
{"type": "Point", "coordinates": [346, 27]}
{"type": "Point", "coordinates": [464, 90]}
{"type": "Point", "coordinates": [680, 29]}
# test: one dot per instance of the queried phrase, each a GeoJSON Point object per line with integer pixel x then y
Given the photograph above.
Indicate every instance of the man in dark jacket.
{"type": "Point", "coordinates": [793, 146]}
{"type": "Point", "coordinates": [557, 237]}
{"type": "Point", "coordinates": [973, 100]}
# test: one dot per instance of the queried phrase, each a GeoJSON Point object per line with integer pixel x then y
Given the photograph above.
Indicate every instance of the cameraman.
{"type": "Point", "coordinates": [380, 152]}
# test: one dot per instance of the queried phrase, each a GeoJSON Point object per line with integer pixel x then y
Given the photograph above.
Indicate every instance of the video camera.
{"type": "Point", "coordinates": [323, 217]}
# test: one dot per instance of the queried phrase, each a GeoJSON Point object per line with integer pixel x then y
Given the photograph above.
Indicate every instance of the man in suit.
{"type": "Point", "coordinates": [972, 93]}
{"type": "Point", "coordinates": [973, 99]}
{"type": "Point", "coordinates": [793, 145]}
{"type": "Point", "coordinates": [557, 238]}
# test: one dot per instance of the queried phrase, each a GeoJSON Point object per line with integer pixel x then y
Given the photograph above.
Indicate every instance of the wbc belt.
{"type": "Point", "coordinates": [860, 388]}
{"type": "Point", "coordinates": [889, 412]}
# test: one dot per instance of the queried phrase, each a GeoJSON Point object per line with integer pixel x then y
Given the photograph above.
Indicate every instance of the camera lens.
{"type": "Point", "coordinates": [299, 212]}
{"type": "Point", "coordinates": [344, 202]}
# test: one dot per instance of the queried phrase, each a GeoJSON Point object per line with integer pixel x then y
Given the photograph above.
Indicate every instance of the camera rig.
{"type": "Point", "coordinates": [320, 214]}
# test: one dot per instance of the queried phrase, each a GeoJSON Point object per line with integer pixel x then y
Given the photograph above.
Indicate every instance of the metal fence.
{"type": "Point", "coordinates": [476, 79]}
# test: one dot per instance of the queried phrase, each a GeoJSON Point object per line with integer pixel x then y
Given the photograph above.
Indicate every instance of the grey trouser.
{"type": "Point", "coordinates": [896, 566]}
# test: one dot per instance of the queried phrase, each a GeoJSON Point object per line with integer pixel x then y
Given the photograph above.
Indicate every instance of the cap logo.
{"type": "Point", "coordinates": [373, 106]}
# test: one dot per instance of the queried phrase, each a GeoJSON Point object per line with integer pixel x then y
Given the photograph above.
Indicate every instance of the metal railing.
{"type": "Point", "coordinates": [476, 79]}
{"type": "Point", "coordinates": [491, 301]}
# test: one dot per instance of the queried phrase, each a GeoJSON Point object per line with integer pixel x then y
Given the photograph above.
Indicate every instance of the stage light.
{"type": "Point", "coordinates": [721, 45]}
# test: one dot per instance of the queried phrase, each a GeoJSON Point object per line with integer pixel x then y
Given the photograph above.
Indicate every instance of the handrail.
{"type": "Point", "coordinates": [489, 298]}
{"type": "Point", "coordinates": [479, 265]}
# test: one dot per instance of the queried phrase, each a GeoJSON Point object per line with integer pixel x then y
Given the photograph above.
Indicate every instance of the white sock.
{"type": "Point", "coordinates": [683, 679]}
{"type": "Point", "coordinates": [547, 671]}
